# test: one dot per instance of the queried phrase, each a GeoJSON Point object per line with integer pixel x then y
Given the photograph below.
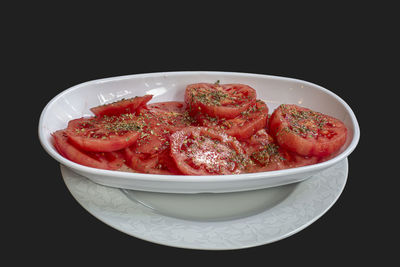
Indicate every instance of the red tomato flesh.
{"type": "Point", "coordinates": [157, 125]}
{"type": "Point", "coordinates": [264, 153]}
{"type": "Point", "coordinates": [267, 155]}
{"type": "Point", "coordinates": [100, 160]}
{"type": "Point", "coordinates": [241, 127]}
{"type": "Point", "coordinates": [121, 107]}
{"type": "Point", "coordinates": [169, 115]}
{"type": "Point", "coordinates": [203, 151]}
{"type": "Point", "coordinates": [306, 132]}
{"type": "Point", "coordinates": [169, 106]}
{"type": "Point", "coordinates": [159, 163]}
{"type": "Point", "coordinates": [219, 100]}
{"type": "Point", "coordinates": [104, 134]}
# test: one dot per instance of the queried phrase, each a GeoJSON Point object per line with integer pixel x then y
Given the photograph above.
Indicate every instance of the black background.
{"type": "Point", "coordinates": [339, 48]}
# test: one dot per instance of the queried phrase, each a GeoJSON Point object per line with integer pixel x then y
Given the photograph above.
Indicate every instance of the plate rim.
{"type": "Point", "coordinates": [337, 194]}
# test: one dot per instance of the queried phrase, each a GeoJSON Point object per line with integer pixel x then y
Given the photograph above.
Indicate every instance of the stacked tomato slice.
{"type": "Point", "coordinates": [218, 129]}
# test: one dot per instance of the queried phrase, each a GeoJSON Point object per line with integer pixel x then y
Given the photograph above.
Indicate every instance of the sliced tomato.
{"type": "Point", "coordinates": [241, 127]}
{"type": "Point", "coordinates": [104, 134]}
{"type": "Point", "coordinates": [172, 121]}
{"type": "Point", "coordinates": [115, 159]}
{"type": "Point", "coordinates": [169, 106]}
{"type": "Point", "coordinates": [108, 161]}
{"type": "Point", "coordinates": [264, 153]}
{"type": "Point", "coordinates": [122, 106]}
{"type": "Point", "coordinates": [203, 151]}
{"type": "Point", "coordinates": [296, 160]}
{"type": "Point", "coordinates": [172, 115]}
{"type": "Point", "coordinates": [156, 127]}
{"type": "Point", "coordinates": [159, 163]}
{"type": "Point", "coordinates": [307, 132]}
{"type": "Point", "coordinates": [161, 119]}
{"type": "Point", "coordinates": [152, 141]}
{"type": "Point", "coordinates": [219, 100]}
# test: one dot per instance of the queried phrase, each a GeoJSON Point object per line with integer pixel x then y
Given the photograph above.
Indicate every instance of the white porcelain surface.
{"type": "Point", "coordinates": [284, 214]}
{"type": "Point", "coordinates": [76, 101]}
{"type": "Point", "coordinates": [212, 206]}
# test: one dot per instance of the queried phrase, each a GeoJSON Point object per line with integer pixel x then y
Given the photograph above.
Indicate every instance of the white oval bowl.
{"type": "Point", "coordinates": [76, 101]}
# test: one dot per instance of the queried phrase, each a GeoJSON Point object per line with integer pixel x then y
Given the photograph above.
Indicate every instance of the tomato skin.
{"type": "Point", "coordinates": [306, 132]}
{"type": "Point", "coordinates": [121, 107]}
{"type": "Point", "coordinates": [170, 116]}
{"type": "Point", "coordinates": [92, 134]}
{"type": "Point", "coordinates": [264, 153]}
{"type": "Point", "coordinates": [160, 163]}
{"type": "Point", "coordinates": [296, 160]}
{"type": "Point", "coordinates": [219, 100]}
{"type": "Point", "coordinates": [241, 127]}
{"type": "Point", "coordinates": [98, 160]}
{"type": "Point", "coordinates": [158, 124]}
{"type": "Point", "coordinates": [267, 155]}
{"type": "Point", "coordinates": [115, 159]}
{"type": "Point", "coordinates": [203, 151]}
{"type": "Point", "coordinates": [153, 142]}
{"type": "Point", "coordinates": [168, 106]}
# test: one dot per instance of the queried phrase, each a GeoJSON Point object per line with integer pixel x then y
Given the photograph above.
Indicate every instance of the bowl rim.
{"type": "Point", "coordinates": [48, 147]}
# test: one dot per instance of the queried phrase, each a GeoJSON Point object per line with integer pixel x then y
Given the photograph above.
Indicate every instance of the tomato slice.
{"type": "Point", "coordinates": [115, 159]}
{"type": "Point", "coordinates": [100, 160]}
{"type": "Point", "coordinates": [264, 153]}
{"type": "Point", "coordinates": [160, 163]}
{"type": "Point", "coordinates": [156, 127]}
{"type": "Point", "coordinates": [241, 127]}
{"type": "Point", "coordinates": [152, 141]}
{"type": "Point", "coordinates": [171, 120]}
{"type": "Point", "coordinates": [122, 106]}
{"type": "Point", "coordinates": [296, 160]}
{"type": "Point", "coordinates": [307, 132]}
{"type": "Point", "coordinates": [203, 151]}
{"type": "Point", "coordinates": [104, 134]}
{"type": "Point", "coordinates": [169, 106]}
{"type": "Point", "coordinates": [219, 100]}
{"type": "Point", "coordinates": [158, 122]}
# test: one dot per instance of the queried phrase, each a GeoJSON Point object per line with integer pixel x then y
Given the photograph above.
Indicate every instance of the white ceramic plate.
{"type": "Point", "coordinates": [76, 101]}
{"type": "Point", "coordinates": [306, 202]}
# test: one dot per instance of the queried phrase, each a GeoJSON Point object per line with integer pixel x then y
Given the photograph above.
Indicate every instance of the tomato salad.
{"type": "Point", "coordinates": [218, 129]}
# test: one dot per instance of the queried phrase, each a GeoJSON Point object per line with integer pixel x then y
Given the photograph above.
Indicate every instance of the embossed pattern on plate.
{"type": "Point", "coordinates": [308, 202]}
